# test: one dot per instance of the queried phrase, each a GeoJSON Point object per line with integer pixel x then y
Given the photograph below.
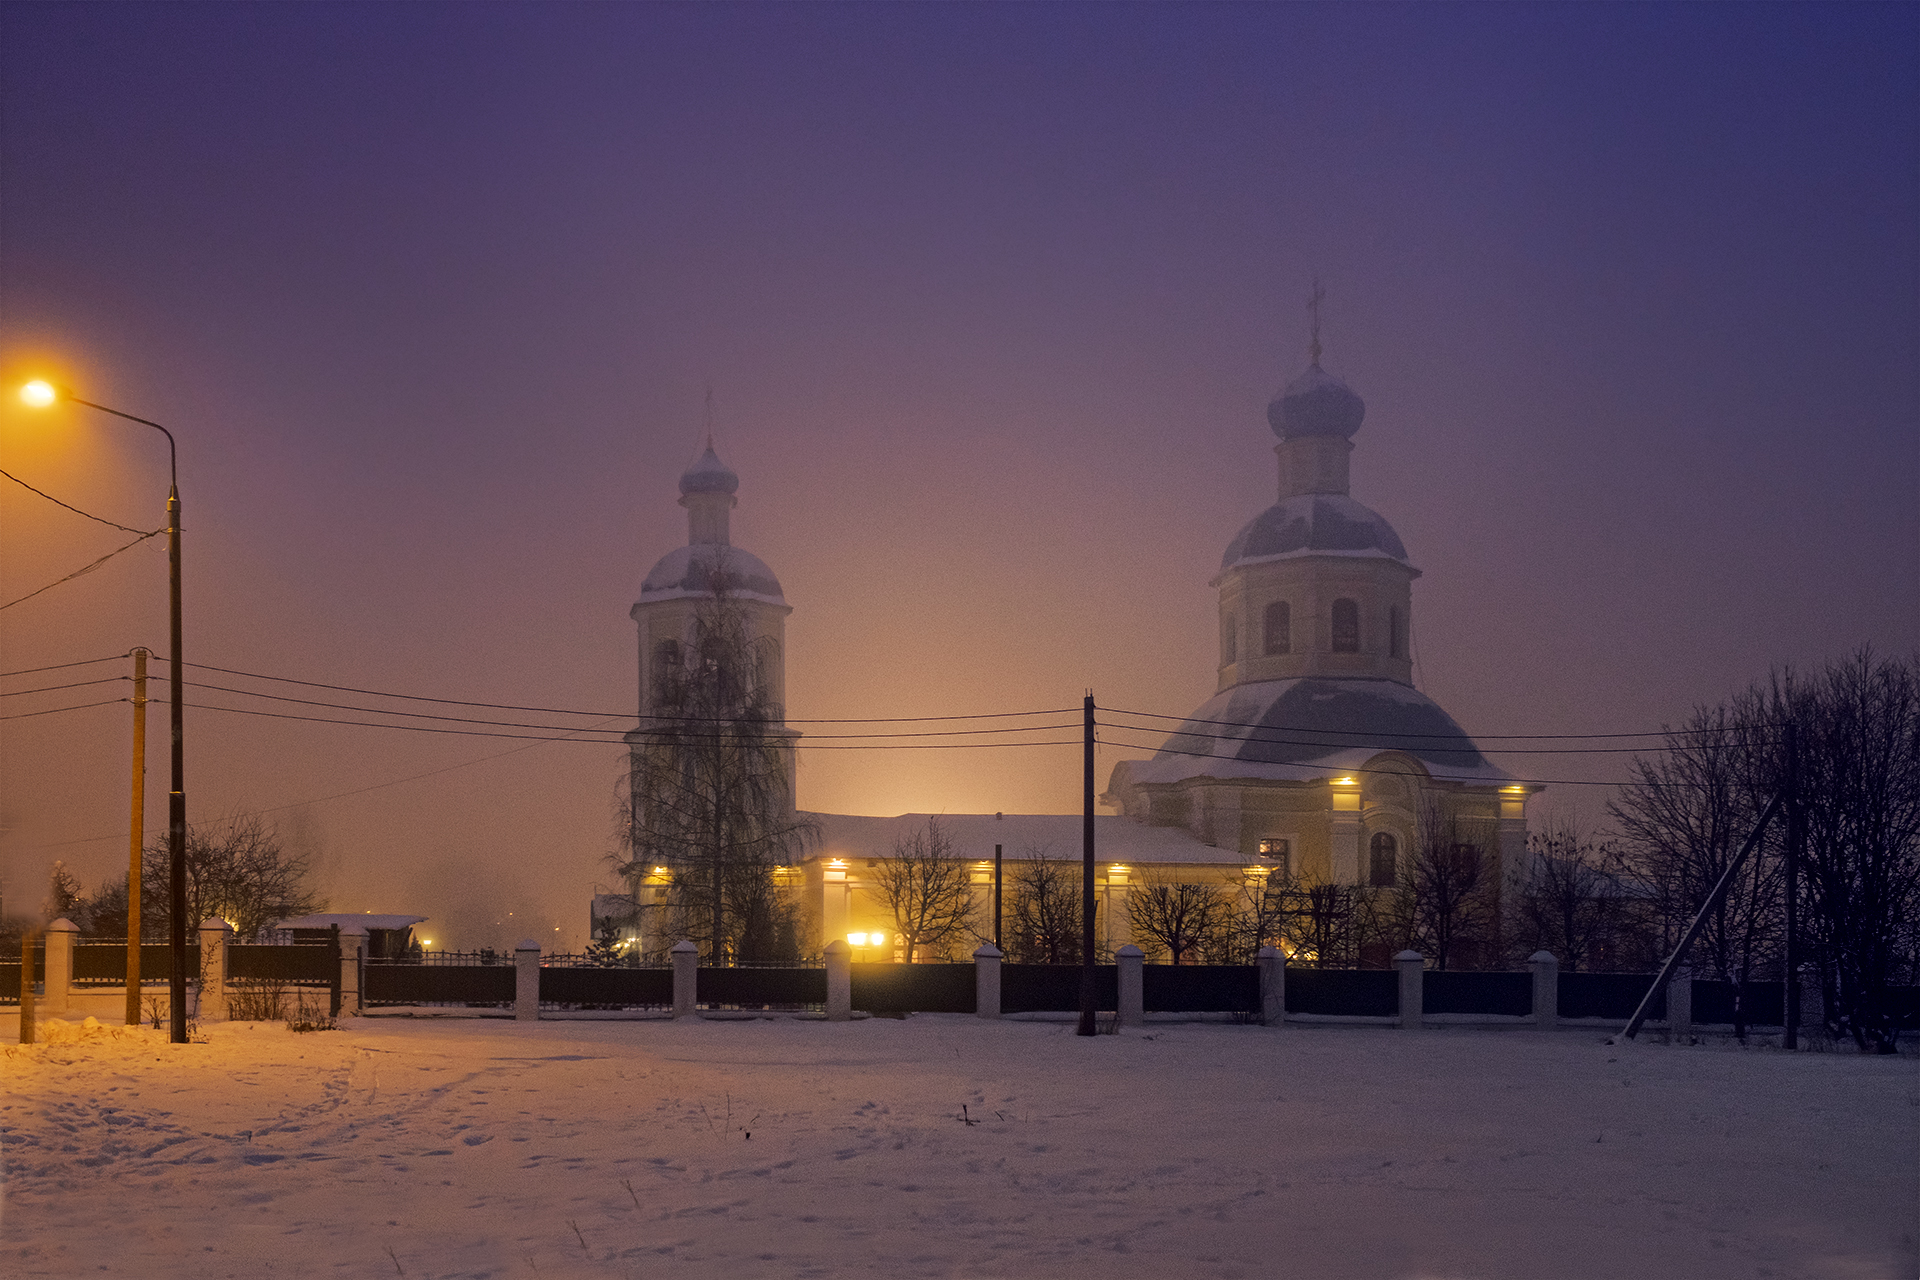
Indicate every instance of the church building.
{"type": "Point", "coordinates": [1316, 759]}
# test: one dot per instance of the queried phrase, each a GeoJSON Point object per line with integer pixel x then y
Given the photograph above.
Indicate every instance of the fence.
{"type": "Point", "coordinates": [74, 977]}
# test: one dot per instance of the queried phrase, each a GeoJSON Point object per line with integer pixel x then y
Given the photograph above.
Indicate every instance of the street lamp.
{"type": "Point", "coordinates": [40, 395]}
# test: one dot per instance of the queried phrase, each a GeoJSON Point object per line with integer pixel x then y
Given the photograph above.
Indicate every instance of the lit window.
{"type": "Point", "coordinates": [1279, 627]}
{"type": "Point", "coordinates": [1346, 626]}
{"type": "Point", "coordinates": [1279, 853]}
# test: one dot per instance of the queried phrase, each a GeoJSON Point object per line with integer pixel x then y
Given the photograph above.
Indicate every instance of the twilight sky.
{"type": "Point", "coordinates": [992, 299]}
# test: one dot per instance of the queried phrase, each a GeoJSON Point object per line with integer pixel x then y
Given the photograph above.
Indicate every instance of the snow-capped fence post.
{"type": "Point", "coordinates": [1131, 976]}
{"type": "Point", "coordinates": [59, 976]}
{"type": "Point", "coordinates": [1273, 986]}
{"type": "Point", "coordinates": [526, 981]}
{"type": "Point", "coordinates": [1411, 965]}
{"type": "Point", "coordinates": [686, 977]}
{"type": "Point", "coordinates": [986, 980]}
{"type": "Point", "coordinates": [215, 933]}
{"type": "Point", "coordinates": [1680, 1005]}
{"type": "Point", "coordinates": [1546, 990]}
{"type": "Point", "coordinates": [839, 981]}
{"type": "Point", "coordinates": [353, 949]}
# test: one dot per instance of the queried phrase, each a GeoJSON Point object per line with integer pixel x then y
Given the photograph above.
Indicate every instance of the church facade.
{"type": "Point", "coordinates": [1317, 760]}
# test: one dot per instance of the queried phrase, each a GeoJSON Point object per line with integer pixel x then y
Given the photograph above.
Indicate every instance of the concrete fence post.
{"type": "Point", "coordinates": [1411, 965]}
{"type": "Point", "coordinates": [215, 933]}
{"type": "Point", "coordinates": [1680, 1005]}
{"type": "Point", "coordinates": [59, 977]}
{"type": "Point", "coordinates": [526, 981]}
{"type": "Point", "coordinates": [1273, 986]}
{"type": "Point", "coordinates": [353, 955]}
{"type": "Point", "coordinates": [686, 978]}
{"type": "Point", "coordinates": [1130, 969]}
{"type": "Point", "coordinates": [840, 981]}
{"type": "Point", "coordinates": [1546, 990]}
{"type": "Point", "coordinates": [986, 980]}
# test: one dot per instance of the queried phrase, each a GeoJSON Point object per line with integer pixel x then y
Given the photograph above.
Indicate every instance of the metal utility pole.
{"type": "Point", "coordinates": [1087, 1001]}
{"type": "Point", "coordinates": [137, 834]}
{"type": "Point", "coordinates": [1796, 834]}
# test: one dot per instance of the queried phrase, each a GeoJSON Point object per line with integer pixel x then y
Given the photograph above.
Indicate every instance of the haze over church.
{"type": "Point", "coordinates": [1317, 758]}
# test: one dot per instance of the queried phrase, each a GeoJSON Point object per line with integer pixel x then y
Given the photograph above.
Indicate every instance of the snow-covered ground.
{"type": "Point", "coordinates": [949, 1146]}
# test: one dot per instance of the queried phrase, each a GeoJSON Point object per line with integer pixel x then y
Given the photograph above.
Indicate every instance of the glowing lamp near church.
{"type": "Point", "coordinates": [39, 394]}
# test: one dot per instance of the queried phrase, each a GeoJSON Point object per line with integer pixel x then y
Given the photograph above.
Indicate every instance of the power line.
{"type": "Point", "coordinates": [481, 733]}
{"type": "Point", "coordinates": [1463, 735]}
{"type": "Point", "coordinates": [672, 720]}
{"type": "Point", "coordinates": [60, 666]}
{"type": "Point", "coordinates": [52, 711]}
{"type": "Point", "coordinates": [564, 711]}
{"type": "Point", "coordinates": [1538, 782]}
{"type": "Point", "coordinates": [51, 688]}
{"type": "Point", "coordinates": [84, 570]}
{"type": "Point", "coordinates": [69, 506]}
{"type": "Point", "coordinates": [1467, 744]}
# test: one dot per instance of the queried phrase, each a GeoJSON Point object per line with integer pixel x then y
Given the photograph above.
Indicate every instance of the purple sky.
{"type": "Point", "coordinates": [992, 299]}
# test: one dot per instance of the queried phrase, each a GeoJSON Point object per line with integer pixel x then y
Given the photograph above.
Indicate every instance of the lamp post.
{"type": "Point", "coordinates": [41, 394]}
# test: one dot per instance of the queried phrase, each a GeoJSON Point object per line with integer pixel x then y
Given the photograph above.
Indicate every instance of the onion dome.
{"type": "Point", "coordinates": [1314, 524]}
{"type": "Point", "coordinates": [1316, 404]}
{"type": "Point", "coordinates": [709, 475]}
{"type": "Point", "coordinates": [695, 570]}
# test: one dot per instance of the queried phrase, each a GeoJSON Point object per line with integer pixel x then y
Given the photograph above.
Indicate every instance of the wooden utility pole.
{"type": "Point", "coordinates": [26, 986]}
{"type": "Point", "coordinates": [996, 897]}
{"type": "Point", "coordinates": [138, 834]}
{"type": "Point", "coordinates": [1087, 1001]}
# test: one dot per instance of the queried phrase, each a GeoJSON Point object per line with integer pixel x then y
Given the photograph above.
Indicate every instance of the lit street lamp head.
{"type": "Point", "coordinates": [39, 394]}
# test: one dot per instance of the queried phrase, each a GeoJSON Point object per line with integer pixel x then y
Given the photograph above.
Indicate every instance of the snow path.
{"type": "Point", "coordinates": [559, 1149]}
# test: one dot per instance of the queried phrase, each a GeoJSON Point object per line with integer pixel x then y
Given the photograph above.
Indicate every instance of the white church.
{"type": "Point", "coordinates": [1316, 757]}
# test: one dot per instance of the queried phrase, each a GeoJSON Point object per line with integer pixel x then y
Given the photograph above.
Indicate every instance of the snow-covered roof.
{"type": "Point", "coordinates": [689, 570]}
{"type": "Point", "coordinates": [1115, 839]}
{"type": "Point", "coordinates": [1316, 404]}
{"type": "Point", "coordinates": [1303, 730]}
{"type": "Point", "coordinates": [348, 920]}
{"type": "Point", "coordinates": [709, 475]}
{"type": "Point", "coordinates": [1314, 524]}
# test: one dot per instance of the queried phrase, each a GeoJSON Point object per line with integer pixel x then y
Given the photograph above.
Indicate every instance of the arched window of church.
{"type": "Point", "coordinates": [1279, 627]}
{"type": "Point", "coordinates": [1396, 633]}
{"type": "Point", "coordinates": [666, 655]}
{"type": "Point", "coordinates": [1229, 640]}
{"type": "Point", "coordinates": [1383, 861]}
{"type": "Point", "coordinates": [1346, 626]}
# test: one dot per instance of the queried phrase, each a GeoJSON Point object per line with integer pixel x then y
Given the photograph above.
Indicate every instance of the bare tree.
{"type": "Point", "coordinates": [1043, 896]}
{"type": "Point", "coordinates": [1580, 903]}
{"type": "Point", "coordinates": [1684, 816]}
{"type": "Point", "coordinates": [1176, 918]}
{"type": "Point", "coordinates": [708, 794]}
{"type": "Point", "coordinates": [238, 869]}
{"type": "Point", "coordinates": [1444, 904]}
{"type": "Point", "coordinates": [929, 890]}
{"type": "Point", "coordinates": [1858, 723]}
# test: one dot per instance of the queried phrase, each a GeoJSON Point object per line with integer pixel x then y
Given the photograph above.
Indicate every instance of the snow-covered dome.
{"type": "Point", "coordinates": [1316, 404]}
{"type": "Point", "coordinates": [709, 475]}
{"type": "Point", "coordinates": [1276, 728]}
{"type": "Point", "coordinates": [690, 570]}
{"type": "Point", "coordinates": [1310, 523]}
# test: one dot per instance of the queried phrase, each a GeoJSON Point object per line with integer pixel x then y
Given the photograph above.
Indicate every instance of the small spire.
{"type": "Point", "coordinates": [709, 415]}
{"type": "Point", "coordinates": [1313, 310]}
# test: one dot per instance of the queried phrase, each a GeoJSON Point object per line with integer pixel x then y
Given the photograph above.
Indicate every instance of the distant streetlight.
{"type": "Point", "coordinates": [40, 395]}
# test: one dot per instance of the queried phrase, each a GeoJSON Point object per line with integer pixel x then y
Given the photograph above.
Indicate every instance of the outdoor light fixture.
{"type": "Point", "coordinates": [857, 939]}
{"type": "Point", "coordinates": [40, 394]}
